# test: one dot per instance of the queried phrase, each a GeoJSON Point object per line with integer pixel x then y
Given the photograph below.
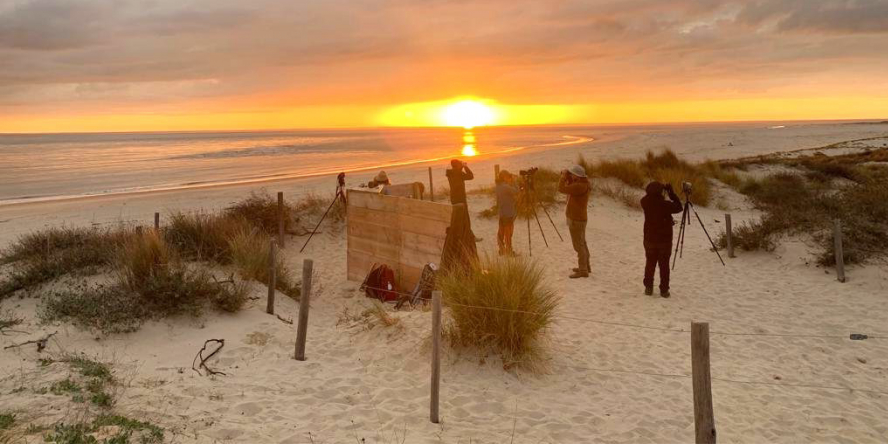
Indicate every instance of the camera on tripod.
{"type": "Point", "coordinates": [529, 171]}
{"type": "Point", "coordinates": [687, 187]}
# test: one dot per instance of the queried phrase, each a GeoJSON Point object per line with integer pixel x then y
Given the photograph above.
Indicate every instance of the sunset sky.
{"type": "Point", "coordinates": [115, 65]}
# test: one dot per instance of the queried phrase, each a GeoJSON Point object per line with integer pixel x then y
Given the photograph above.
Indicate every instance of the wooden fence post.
{"type": "Point", "coordinates": [431, 186]}
{"type": "Point", "coordinates": [729, 234]}
{"type": "Point", "coordinates": [496, 171]}
{"type": "Point", "coordinates": [304, 301]}
{"type": "Point", "coordinates": [156, 221]}
{"type": "Point", "coordinates": [840, 254]}
{"type": "Point", "coordinates": [436, 355]}
{"type": "Point", "coordinates": [704, 420]}
{"type": "Point", "coordinates": [281, 218]}
{"type": "Point", "coordinates": [272, 278]}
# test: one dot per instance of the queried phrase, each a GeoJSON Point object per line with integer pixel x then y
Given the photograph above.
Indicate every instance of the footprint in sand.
{"type": "Point", "coordinates": [248, 409]}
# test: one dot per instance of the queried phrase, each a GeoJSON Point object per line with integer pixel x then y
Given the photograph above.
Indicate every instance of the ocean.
{"type": "Point", "coordinates": [41, 167]}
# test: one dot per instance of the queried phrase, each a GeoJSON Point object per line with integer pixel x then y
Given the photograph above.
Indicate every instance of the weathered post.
{"type": "Point", "coordinates": [704, 420]}
{"type": "Point", "coordinates": [304, 302]}
{"type": "Point", "coordinates": [840, 254]}
{"type": "Point", "coordinates": [272, 278]}
{"type": "Point", "coordinates": [496, 171]}
{"type": "Point", "coordinates": [729, 235]}
{"type": "Point", "coordinates": [431, 186]}
{"type": "Point", "coordinates": [156, 221]}
{"type": "Point", "coordinates": [281, 213]}
{"type": "Point", "coordinates": [436, 355]}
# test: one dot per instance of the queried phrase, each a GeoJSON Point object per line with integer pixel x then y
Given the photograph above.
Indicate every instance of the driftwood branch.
{"type": "Point", "coordinates": [41, 343]}
{"type": "Point", "coordinates": [284, 320]}
{"type": "Point", "coordinates": [203, 360]}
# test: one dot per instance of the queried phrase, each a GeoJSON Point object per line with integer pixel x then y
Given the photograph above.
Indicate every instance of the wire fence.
{"type": "Point", "coordinates": [647, 327]}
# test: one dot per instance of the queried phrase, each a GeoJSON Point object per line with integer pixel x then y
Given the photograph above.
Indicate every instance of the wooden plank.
{"type": "Point", "coordinates": [840, 254]}
{"type": "Point", "coordinates": [402, 190]}
{"type": "Point", "coordinates": [374, 248]}
{"type": "Point", "coordinates": [379, 233]}
{"type": "Point", "coordinates": [422, 243]}
{"type": "Point", "coordinates": [425, 209]}
{"type": "Point", "coordinates": [417, 258]}
{"type": "Point", "coordinates": [361, 215]}
{"type": "Point", "coordinates": [372, 200]}
{"type": "Point", "coordinates": [418, 225]}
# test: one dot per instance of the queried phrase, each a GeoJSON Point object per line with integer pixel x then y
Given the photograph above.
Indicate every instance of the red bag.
{"type": "Point", "coordinates": [380, 284]}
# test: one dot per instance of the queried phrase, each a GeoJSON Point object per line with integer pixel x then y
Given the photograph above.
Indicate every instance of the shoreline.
{"type": "Point", "coordinates": [283, 178]}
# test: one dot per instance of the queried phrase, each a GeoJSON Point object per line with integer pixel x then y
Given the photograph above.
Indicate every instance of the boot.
{"type": "Point", "coordinates": [664, 293]}
{"type": "Point", "coordinates": [648, 291]}
{"type": "Point", "coordinates": [579, 274]}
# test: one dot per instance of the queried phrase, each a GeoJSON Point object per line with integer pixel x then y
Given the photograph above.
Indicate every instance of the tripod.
{"type": "Point", "coordinates": [530, 202]}
{"type": "Point", "coordinates": [339, 196]}
{"type": "Point", "coordinates": [685, 221]}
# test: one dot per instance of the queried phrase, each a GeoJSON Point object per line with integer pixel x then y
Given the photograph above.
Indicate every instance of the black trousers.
{"type": "Point", "coordinates": [657, 256]}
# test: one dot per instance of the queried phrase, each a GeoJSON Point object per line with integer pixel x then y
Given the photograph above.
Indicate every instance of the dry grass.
{"type": "Point", "coordinates": [665, 167]}
{"type": "Point", "coordinates": [204, 236]}
{"type": "Point", "coordinates": [250, 254]}
{"type": "Point", "coordinates": [261, 211]}
{"type": "Point", "coordinates": [618, 193]}
{"type": "Point", "coordinates": [516, 309]}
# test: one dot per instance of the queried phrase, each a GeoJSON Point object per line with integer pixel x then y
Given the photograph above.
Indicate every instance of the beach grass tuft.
{"type": "Point", "coordinates": [501, 304]}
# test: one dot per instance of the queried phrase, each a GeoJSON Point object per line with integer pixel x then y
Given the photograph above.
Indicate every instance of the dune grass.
{"type": "Point", "coordinates": [150, 282]}
{"type": "Point", "coordinates": [665, 167]}
{"type": "Point", "coordinates": [145, 274]}
{"type": "Point", "coordinates": [806, 204]}
{"type": "Point", "coordinates": [515, 309]}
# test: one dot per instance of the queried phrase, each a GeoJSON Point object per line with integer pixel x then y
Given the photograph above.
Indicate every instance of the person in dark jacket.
{"type": "Point", "coordinates": [658, 234]}
{"type": "Point", "coordinates": [576, 186]}
{"type": "Point", "coordinates": [457, 176]}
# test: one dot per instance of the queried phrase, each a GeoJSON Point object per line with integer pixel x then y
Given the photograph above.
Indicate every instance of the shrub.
{"type": "Point", "coordinates": [664, 167]}
{"type": "Point", "coordinates": [55, 252]}
{"type": "Point", "coordinates": [202, 236]}
{"type": "Point", "coordinates": [516, 308]}
{"type": "Point", "coordinates": [618, 193]}
{"type": "Point", "coordinates": [6, 420]}
{"type": "Point", "coordinates": [261, 211]}
{"type": "Point", "coordinates": [250, 254]}
{"type": "Point", "coordinates": [751, 236]}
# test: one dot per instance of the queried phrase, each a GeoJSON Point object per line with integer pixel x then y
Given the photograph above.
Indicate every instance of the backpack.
{"type": "Point", "coordinates": [380, 284]}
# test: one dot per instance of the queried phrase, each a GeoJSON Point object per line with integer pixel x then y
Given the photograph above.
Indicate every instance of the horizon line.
{"type": "Point", "coordinates": [358, 128]}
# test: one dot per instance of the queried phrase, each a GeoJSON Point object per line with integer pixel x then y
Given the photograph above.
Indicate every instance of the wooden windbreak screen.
{"type": "Point", "coordinates": [403, 233]}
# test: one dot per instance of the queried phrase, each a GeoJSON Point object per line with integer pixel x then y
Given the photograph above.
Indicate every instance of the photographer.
{"type": "Point", "coordinates": [576, 186]}
{"type": "Point", "coordinates": [658, 234]}
{"type": "Point", "coordinates": [507, 205]}
{"type": "Point", "coordinates": [457, 176]}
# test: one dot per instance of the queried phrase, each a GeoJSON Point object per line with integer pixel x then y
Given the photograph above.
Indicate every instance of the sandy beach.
{"type": "Point", "coordinates": [783, 367]}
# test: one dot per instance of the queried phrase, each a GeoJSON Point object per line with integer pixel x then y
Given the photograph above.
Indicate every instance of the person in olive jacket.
{"type": "Point", "coordinates": [576, 186]}
{"type": "Point", "coordinates": [658, 234]}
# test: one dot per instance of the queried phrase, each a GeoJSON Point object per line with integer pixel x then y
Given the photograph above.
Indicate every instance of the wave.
{"type": "Point", "coordinates": [566, 140]}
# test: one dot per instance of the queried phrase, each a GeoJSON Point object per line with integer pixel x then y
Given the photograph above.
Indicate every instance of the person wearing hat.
{"type": "Point", "coordinates": [575, 184]}
{"type": "Point", "coordinates": [658, 234]}
{"type": "Point", "coordinates": [507, 206]}
{"type": "Point", "coordinates": [382, 180]}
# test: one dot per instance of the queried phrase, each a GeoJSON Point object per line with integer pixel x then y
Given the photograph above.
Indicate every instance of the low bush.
{"type": "Point", "coordinates": [250, 254]}
{"type": "Point", "coordinates": [664, 167]}
{"type": "Point", "coordinates": [261, 211]}
{"type": "Point", "coordinates": [503, 304]}
{"type": "Point", "coordinates": [204, 236]}
{"type": "Point", "coordinates": [751, 236]}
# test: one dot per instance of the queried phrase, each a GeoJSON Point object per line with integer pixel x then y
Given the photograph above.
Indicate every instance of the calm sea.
{"type": "Point", "coordinates": [57, 166]}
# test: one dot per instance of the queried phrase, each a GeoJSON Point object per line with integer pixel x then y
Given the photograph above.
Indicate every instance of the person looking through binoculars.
{"type": "Point", "coordinates": [575, 184]}
{"type": "Point", "coordinates": [658, 224]}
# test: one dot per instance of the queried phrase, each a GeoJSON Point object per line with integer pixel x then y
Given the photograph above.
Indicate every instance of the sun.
{"type": "Point", "coordinates": [467, 114]}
